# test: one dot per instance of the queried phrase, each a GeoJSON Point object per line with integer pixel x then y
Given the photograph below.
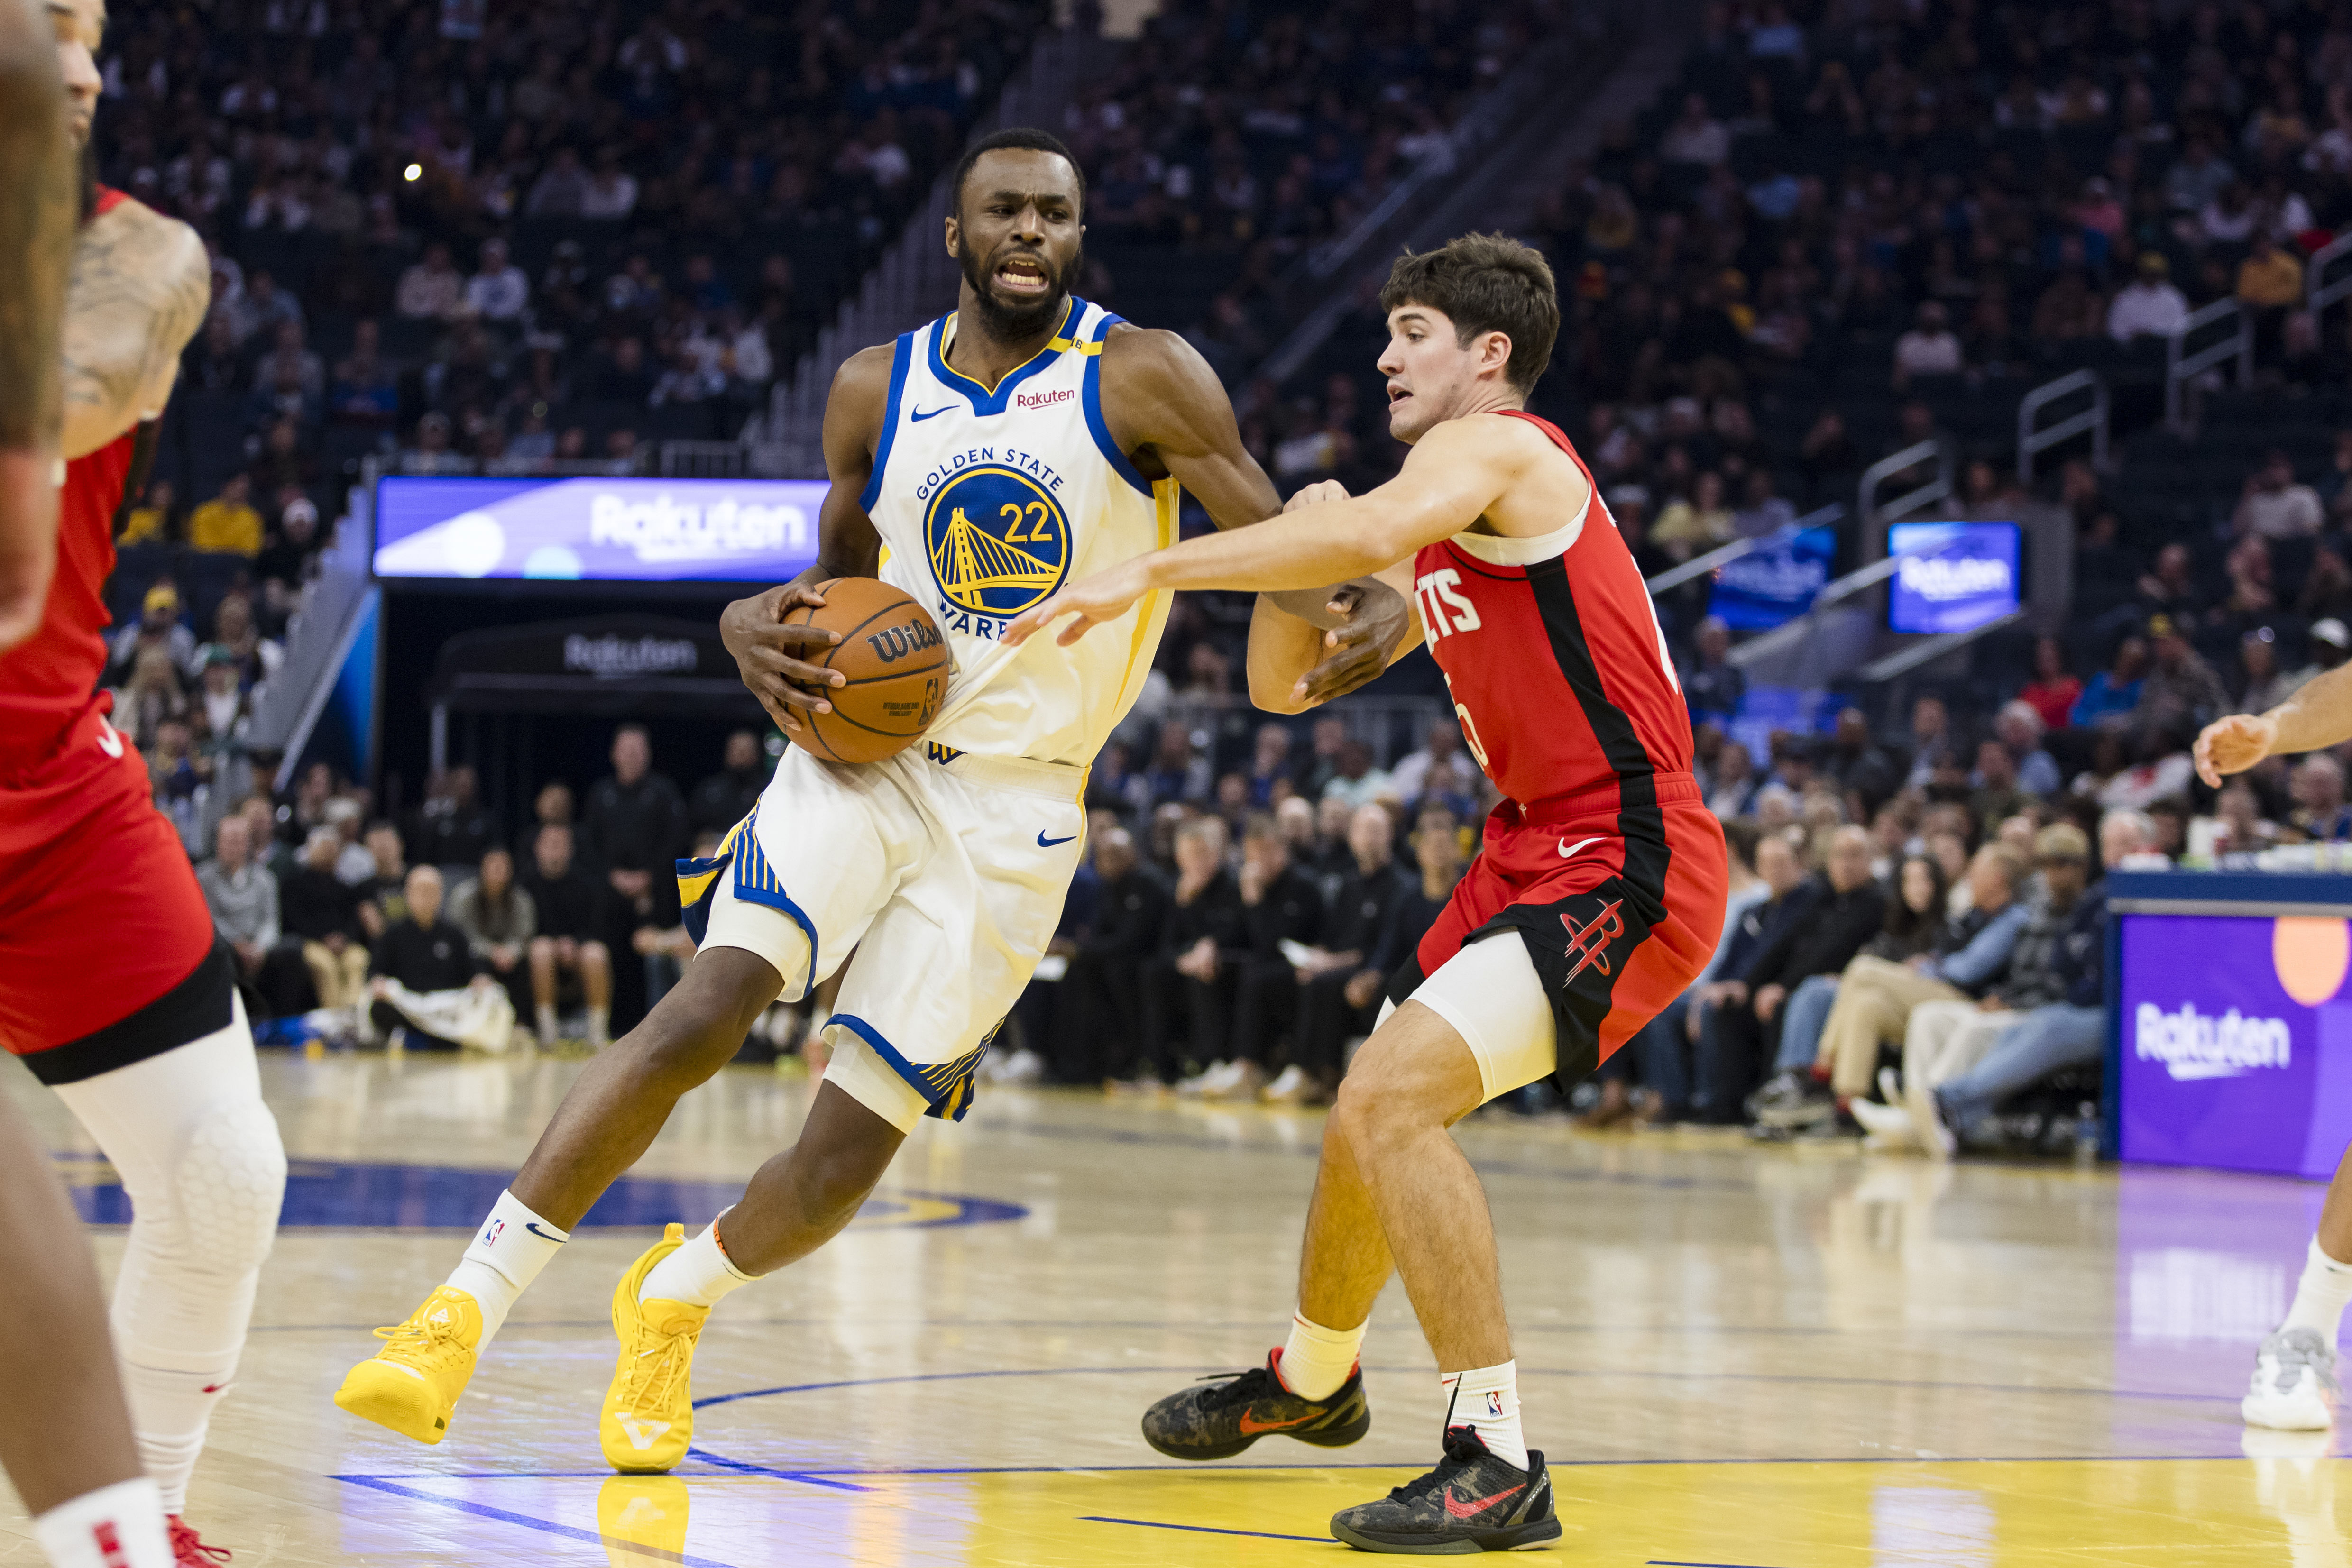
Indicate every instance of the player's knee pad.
{"type": "Point", "coordinates": [230, 1183]}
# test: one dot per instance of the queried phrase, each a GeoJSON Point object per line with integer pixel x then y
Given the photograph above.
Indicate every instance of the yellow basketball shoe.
{"type": "Point", "coordinates": [412, 1384]}
{"type": "Point", "coordinates": [648, 1421]}
{"type": "Point", "coordinates": [642, 1519]}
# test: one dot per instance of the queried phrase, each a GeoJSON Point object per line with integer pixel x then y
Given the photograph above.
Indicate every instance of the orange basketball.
{"type": "Point", "coordinates": [897, 663]}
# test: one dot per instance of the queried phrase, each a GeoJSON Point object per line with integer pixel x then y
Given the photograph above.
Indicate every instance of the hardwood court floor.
{"type": "Point", "coordinates": [1757, 1358]}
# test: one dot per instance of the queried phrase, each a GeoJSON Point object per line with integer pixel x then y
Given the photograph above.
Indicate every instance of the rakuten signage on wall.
{"type": "Point", "coordinates": [1953, 577]}
{"type": "Point", "coordinates": [596, 529]}
{"type": "Point", "coordinates": [2237, 1051]}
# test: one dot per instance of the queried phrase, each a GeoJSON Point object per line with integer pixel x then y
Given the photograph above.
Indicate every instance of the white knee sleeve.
{"type": "Point", "coordinates": [200, 1157]}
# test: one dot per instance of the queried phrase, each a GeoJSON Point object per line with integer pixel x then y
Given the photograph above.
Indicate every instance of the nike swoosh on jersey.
{"type": "Point", "coordinates": [1567, 849]}
{"type": "Point", "coordinates": [1045, 843]}
{"type": "Point", "coordinates": [1461, 1507]}
{"type": "Point", "coordinates": [919, 415]}
{"type": "Point", "coordinates": [1252, 1427]}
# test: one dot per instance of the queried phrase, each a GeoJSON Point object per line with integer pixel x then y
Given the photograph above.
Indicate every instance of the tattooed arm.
{"type": "Point", "coordinates": [142, 283]}
{"type": "Point", "coordinates": [36, 227]}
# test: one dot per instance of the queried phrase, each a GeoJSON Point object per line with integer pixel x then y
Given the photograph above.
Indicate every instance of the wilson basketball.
{"type": "Point", "coordinates": [897, 663]}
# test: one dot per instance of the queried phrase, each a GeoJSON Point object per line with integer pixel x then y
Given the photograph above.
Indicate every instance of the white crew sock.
{"type": "Point", "coordinates": [600, 1026]}
{"type": "Point", "coordinates": [1488, 1397]}
{"type": "Point", "coordinates": [2321, 1295]}
{"type": "Point", "coordinates": [547, 1023]}
{"type": "Point", "coordinates": [697, 1273]}
{"type": "Point", "coordinates": [171, 1409]}
{"type": "Point", "coordinates": [118, 1526]}
{"type": "Point", "coordinates": [513, 1245]}
{"type": "Point", "coordinates": [1317, 1360]}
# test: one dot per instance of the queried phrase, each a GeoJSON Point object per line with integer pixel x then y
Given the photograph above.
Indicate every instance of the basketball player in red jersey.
{"type": "Point", "coordinates": [1597, 898]}
{"type": "Point", "coordinates": [113, 989]}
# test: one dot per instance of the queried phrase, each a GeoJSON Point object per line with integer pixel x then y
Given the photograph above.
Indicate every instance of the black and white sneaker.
{"type": "Point", "coordinates": [1221, 1415]}
{"type": "Point", "coordinates": [1472, 1501]}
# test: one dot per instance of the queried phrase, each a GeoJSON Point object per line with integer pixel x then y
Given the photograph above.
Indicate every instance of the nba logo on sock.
{"type": "Point", "coordinates": [1494, 1403]}
{"type": "Point", "coordinates": [491, 1237]}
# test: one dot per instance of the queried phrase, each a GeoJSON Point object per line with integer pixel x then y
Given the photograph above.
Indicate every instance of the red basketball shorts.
{"type": "Point", "coordinates": [100, 917]}
{"type": "Point", "coordinates": [1618, 906]}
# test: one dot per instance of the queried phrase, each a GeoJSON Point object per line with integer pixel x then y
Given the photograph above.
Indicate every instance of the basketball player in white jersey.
{"type": "Point", "coordinates": [1026, 440]}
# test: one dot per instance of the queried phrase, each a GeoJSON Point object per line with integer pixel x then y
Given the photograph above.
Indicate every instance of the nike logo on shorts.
{"type": "Point", "coordinates": [1567, 849]}
{"type": "Point", "coordinates": [1045, 843]}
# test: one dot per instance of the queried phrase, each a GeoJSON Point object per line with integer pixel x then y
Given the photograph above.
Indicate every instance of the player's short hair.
{"type": "Point", "coordinates": [1485, 283]}
{"type": "Point", "coordinates": [1017, 138]}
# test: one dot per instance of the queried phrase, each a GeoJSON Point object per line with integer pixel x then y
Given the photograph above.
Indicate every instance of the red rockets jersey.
{"type": "Point", "coordinates": [1553, 655]}
{"type": "Point", "coordinates": [51, 678]}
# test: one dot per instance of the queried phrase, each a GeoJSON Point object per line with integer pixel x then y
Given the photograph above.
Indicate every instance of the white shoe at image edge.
{"type": "Point", "coordinates": [2293, 1387]}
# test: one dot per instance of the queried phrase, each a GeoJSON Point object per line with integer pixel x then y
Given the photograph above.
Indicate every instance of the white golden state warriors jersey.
{"type": "Point", "coordinates": [988, 500]}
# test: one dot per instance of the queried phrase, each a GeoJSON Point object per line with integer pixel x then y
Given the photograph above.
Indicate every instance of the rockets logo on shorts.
{"type": "Point", "coordinates": [1588, 944]}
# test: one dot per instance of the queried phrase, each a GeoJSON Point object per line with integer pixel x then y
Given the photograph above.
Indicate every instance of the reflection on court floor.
{"type": "Point", "coordinates": [1735, 1358]}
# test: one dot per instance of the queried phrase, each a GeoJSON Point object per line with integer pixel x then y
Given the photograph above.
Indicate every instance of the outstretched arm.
{"type": "Point", "coordinates": [1453, 474]}
{"type": "Point", "coordinates": [1307, 645]}
{"type": "Point", "coordinates": [37, 227]}
{"type": "Point", "coordinates": [2319, 713]}
{"type": "Point", "coordinates": [767, 653]}
{"type": "Point", "coordinates": [140, 285]}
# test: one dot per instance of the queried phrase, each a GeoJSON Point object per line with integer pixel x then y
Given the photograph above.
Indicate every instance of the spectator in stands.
{"type": "Point", "coordinates": [1282, 912]}
{"type": "Point", "coordinates": [2148, 306]}
{"type": "Point", "coordinates": [2274, 506]}
{"type": "Point", "coordinates": [2330, 643]}
{"type": "Point", "coordinates": [1351, 930]}
{"type": "Point", "coordinates": [1943, 1040]}
{"type": "Point", "coordinates": [1929, 349]}
{"type": "Point", "coordinates": [726, 796]}
{"type": "Point", "coordinates": [290, 362]}
{"type": "Point", "coordinates": [451, 826]}
{"type": "Point", "coordinates": [1105, 973]}
{"type": "Point", "coordinates": [2054, 689]}
{"type": "Point", "coordinates": [1714, 684]}
{"type": "Point", "coordinates": [499, 291]}
{"type": "Point", "coordinates": [432, 290]}
{"type": "Point", "coordinates": [159, 625]}
{"type": "Point", "coordinates": [569, 906]}
{"type": "Point", "coordinates": [382, 891]}
{"type": "Point", "coordinates": [1696, 136]}
{"type": "Point", "coordinates": [1732, 782]}
{"type": "Point", "coordinates": [499, 921]}
{"type": "Point", "coordinates": [1694, 524]}
{"type": "Point", "coordinates": [2260, 685]}
{"type": "Point", "coordinates": [1762, 510]}
{"type": "Point", "coordinates": [2019, 728]}
{"type": "Point", "coordinates": [243, 898]}
{"type": "Point", "coordinates": [149, 698]}
{"type": "Point", "coordinates": [320, 911]}
{"type": "Point", "coordinates": [2180, 685]}
{"type": "Point", "coordinates": [152, 518]}
{"type": "Point", "coordinates": [2320, 812]}
{"type": "Point", "coordinates": [228, 523]}
{"type": "Point", "coordinates": [354, 866]}
{"type": "Point", "coordinates": [635, 824]}
{"type": "Point", "coordinates": [2270, 278]}
{"type": "Point", "coordinates": [425, 956]}
{"type": "Point", "coordinates": [1719, 1079]}
{"type": "Point", "coordinates": [1844, 908]}
{"type": "Point", "coordinates": [2112, 696]}
{"type": "Point", "coordinates": [1177, 772]}
{"type": "Point", "coordinates": [2237, 825]}
{"type": "Point", "coordinates": [365, 388]}
{"type": "Point", "coordinates": [1190, 984]}
{"type": "Point", "coordinates": [1414, 908]}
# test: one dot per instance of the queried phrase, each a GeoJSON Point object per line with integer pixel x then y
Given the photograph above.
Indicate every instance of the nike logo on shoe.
{"type": "Point", "coordinates": [642, 1434]}
{"type": "Point", "coordinates": [920, 415]}
{"type": "Point", "coordinates": [1252, 1427]}
{"type": "Point", "coordinates": [1461, 1507]}
{"type": "Point", "coordinates": [1045, 843]}
{"type": "Point", "coordinates": [1567, 849]}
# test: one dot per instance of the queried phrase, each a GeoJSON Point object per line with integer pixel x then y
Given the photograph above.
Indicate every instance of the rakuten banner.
{"type": "Point", "coordinates": [2236, 1051]}
{"type": "Point", "coordinates": [1956, 576]}
{"type": "Point", "coordinates": [603, 531]}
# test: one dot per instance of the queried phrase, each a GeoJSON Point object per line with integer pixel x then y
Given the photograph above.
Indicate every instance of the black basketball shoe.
{"type": "Point", "coordinates": [1222, 1416]}
{"type": "Point", "coordinates": [1472, 1501]}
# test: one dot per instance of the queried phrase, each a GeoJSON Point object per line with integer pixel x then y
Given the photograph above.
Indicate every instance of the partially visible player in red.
{"type": "Point", "coordinates": [1597, 898]}
{"type": "Point", "coordinates": [114, 989]}
{"type": "Point", "coordinates": [65, 1436]}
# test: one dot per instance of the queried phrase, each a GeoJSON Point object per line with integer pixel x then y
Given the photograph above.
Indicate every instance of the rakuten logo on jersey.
{"type": "Point", "coordinates": [1043, 399]}
{"type": "Point", "coordinates": [2194, 1045]}
{"type": "Point", "coordinates": [1940, 577]}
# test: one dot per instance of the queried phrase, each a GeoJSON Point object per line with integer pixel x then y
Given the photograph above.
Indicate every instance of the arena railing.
{"type": "Point", "coordinates": [2182, 368]}
{"type": "Point", "coordinates": [1875, 513]}
{"type": "Point", "coordinates": [2032, 441]}
{"type": "Point", "coordinates": [2320, 291]}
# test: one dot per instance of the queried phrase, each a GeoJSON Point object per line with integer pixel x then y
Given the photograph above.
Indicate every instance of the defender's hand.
{"type": "Point", "coordinates": [769, 653]}
{"type": "Point", "coordinates": [1106, 596]}
{"type": "Point", "coordinates": [2232, 745]}
{"type": "Point", "coordinates": [1315, 495]}
{"type": "Point", "coordinates": [1357, 652]}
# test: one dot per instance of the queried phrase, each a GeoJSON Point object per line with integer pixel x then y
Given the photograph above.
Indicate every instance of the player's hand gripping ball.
{"type": "Point", "coordinates": [851, 669]}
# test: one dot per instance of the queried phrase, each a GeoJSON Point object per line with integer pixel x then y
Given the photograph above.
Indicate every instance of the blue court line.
{"type": "Point", "coordinates": [1201, 1529]}
{"type": "Point", "coordinates": [482, 1510]}
{"type": "Point", "coordinates": [742, 1467]}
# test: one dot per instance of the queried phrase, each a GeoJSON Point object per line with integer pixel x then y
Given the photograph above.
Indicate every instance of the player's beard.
{"type": "Point", "coordinates": [1014, 322]}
